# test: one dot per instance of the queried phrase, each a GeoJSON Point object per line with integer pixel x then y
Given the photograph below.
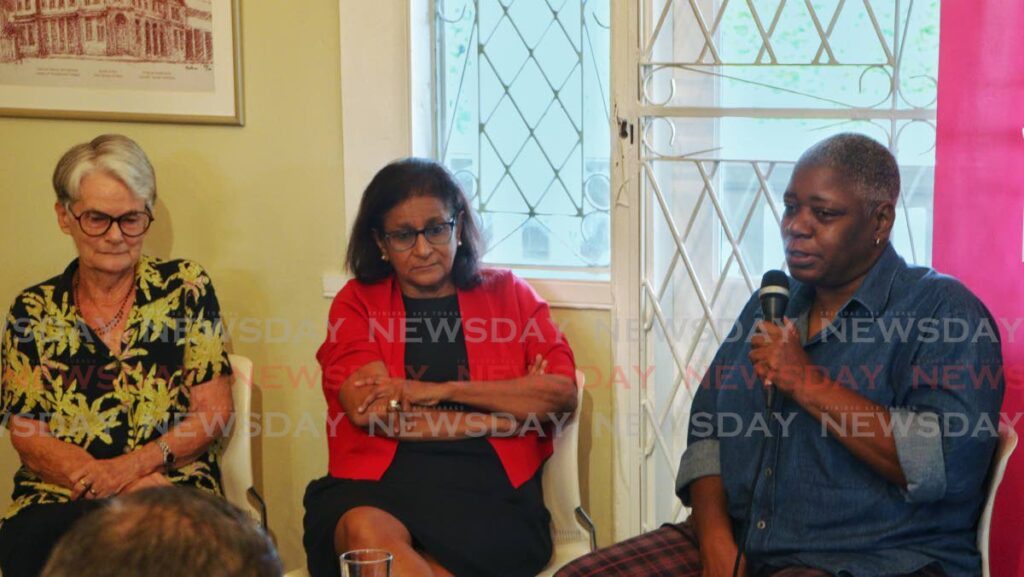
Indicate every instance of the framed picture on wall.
{"type": "Point", "coordinates": [133, 60]}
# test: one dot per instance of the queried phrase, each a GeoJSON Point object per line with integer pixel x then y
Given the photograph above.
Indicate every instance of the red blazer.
{"type": "Point", "coordinates": [505, 325]}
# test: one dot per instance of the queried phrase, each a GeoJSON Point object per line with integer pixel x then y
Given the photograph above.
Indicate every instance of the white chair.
{"type": "Point", "coordinates": [236, 459]}
{"type": "Point", "coordinates": [1007, 443]}
{"type": "Point", "coordinates": [572, 531]}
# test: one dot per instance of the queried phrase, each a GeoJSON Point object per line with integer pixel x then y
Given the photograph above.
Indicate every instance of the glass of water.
{"type": "Point", "coordinates": [366, 563]}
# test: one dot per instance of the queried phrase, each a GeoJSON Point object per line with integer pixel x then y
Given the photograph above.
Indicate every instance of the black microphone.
{"type": "Point", "coordinates": [774, 296]}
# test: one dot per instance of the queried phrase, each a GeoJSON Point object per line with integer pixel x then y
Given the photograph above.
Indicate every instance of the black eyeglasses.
{"type": "Point", "coordinates": [96, 223]}
{"type": "Point", "coordinates": [436, 234]}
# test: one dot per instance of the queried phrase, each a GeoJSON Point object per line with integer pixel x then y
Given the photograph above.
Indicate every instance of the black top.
{"type": "Point", "coordinates": [435, 346]}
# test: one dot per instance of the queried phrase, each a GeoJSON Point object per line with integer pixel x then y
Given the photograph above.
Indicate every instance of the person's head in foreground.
{"type": "Point", "coordinates": [167, 531]}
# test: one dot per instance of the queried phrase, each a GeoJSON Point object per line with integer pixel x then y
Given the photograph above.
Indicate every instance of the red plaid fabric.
{"type": "Point", "coordinates": [672, 551]}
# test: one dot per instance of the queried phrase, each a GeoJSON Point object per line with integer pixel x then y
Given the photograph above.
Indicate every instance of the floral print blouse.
{"type": "Point", "coordinates": [56, 369]}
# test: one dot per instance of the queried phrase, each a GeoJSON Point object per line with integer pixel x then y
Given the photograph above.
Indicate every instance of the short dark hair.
{"type": "Point", "coordinates": [391, 186]}
{"type": "Point", "coordinates": [862, 163]}
{"type": "Point", "coordinates": [169, 531]}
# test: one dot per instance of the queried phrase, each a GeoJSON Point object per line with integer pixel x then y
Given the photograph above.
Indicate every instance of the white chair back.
{"type": "Point", "coordinates": [236, 458]}
{"type": "Point", "coordinates": [571, 529]}
{"type": "Point", "coordinates": [1005, 448]}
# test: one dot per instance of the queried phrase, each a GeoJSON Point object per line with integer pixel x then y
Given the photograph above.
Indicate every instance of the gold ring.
{"type": "Point", "coordinates": [84, 482]}
{"type": "Point", "coordinates": [394, 405]}
{"type": "Point", "coordinates": [92, 492]}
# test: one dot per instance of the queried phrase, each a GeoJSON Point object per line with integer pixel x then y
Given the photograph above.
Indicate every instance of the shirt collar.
{"type": "Point", "coordinates": [873, 293]}
{"type": "Point", "coordinates": [64, 287]}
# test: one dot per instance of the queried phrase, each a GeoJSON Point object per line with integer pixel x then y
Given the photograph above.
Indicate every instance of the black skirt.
{"type": "Point", "coordinates": [455, 500]}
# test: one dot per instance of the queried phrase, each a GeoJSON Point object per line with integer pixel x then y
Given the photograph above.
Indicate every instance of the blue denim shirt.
{"type": "Point", "coordinates": [911, 340]}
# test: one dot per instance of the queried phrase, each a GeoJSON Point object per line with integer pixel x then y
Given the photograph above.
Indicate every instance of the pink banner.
{"type": "Point", "coordinates": [979, 205]}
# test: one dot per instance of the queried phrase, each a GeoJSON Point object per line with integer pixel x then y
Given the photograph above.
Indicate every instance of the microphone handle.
{"type": "Point", "coordinates": [774, 307]}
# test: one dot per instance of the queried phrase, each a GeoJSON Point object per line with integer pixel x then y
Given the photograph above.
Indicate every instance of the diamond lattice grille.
{"type": "Point", "coordinates": [523, 122]}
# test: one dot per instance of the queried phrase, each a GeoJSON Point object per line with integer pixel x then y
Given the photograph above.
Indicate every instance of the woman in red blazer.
{"type": "Point", "coordinates": [444, 382]}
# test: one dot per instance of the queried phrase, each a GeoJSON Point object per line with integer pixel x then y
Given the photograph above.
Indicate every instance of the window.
{"type": "Point", "coordinates": [521, 99]}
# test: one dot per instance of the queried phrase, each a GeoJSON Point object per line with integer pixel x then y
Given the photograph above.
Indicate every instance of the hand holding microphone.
{"type": "Point", "coordinates": [772, 347]}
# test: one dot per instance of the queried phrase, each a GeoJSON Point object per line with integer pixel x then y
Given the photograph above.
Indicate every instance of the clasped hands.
{"type": "Point", "coordinates": [104, 478]}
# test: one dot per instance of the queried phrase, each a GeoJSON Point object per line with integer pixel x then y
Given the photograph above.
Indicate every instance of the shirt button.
{"type": "Point", "coordinates": [761, 524]}
{"type": "Point", "coordinates": [768, 472]}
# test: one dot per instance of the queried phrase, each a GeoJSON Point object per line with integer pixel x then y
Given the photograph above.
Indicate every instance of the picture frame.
{"type": "Point", "coordinates": [177, 61]}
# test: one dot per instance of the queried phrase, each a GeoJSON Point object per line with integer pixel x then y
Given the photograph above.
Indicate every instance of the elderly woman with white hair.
{"type": "Point", "coordinates": [115, 377]}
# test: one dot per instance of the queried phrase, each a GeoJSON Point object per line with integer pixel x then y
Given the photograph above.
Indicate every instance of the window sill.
{"type": "Point", "coordinates": [574, 294]}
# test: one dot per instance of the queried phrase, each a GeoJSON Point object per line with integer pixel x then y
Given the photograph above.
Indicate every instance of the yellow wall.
{"type": "Point", "coordinates": [260, 208]}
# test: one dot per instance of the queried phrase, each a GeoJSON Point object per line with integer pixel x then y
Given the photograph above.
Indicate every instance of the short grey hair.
{"type": "Point", "coordinates": [863, 165]}
{"type": "Point", "coordinates": [115, 154]}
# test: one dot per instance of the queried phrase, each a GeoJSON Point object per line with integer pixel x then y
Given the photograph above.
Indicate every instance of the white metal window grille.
{"type": "Point", "coordinates": [522, 115]}
{"type": "Point", "coordinates": [725, 95]}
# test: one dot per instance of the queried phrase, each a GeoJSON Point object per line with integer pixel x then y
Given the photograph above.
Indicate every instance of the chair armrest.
{"type": "Point", "coordinates": [260, 504]}
{"type": "Point", "coordinates": [584, 519]}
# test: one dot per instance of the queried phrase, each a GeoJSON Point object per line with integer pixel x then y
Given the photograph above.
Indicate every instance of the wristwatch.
{"type": "Point", "coordinates": [168, 455]}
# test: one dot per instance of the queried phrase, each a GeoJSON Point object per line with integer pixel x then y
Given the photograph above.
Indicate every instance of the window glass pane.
{"type": "Point", "coordinates": [522, 103]}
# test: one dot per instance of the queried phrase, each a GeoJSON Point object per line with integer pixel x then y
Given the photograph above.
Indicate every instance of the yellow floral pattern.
{"type": "Point", "coordinates": [54, 368]}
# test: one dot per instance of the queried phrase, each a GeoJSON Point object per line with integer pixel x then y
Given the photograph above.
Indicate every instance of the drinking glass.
{"type": "Point", "coordinates": [366, 563]}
